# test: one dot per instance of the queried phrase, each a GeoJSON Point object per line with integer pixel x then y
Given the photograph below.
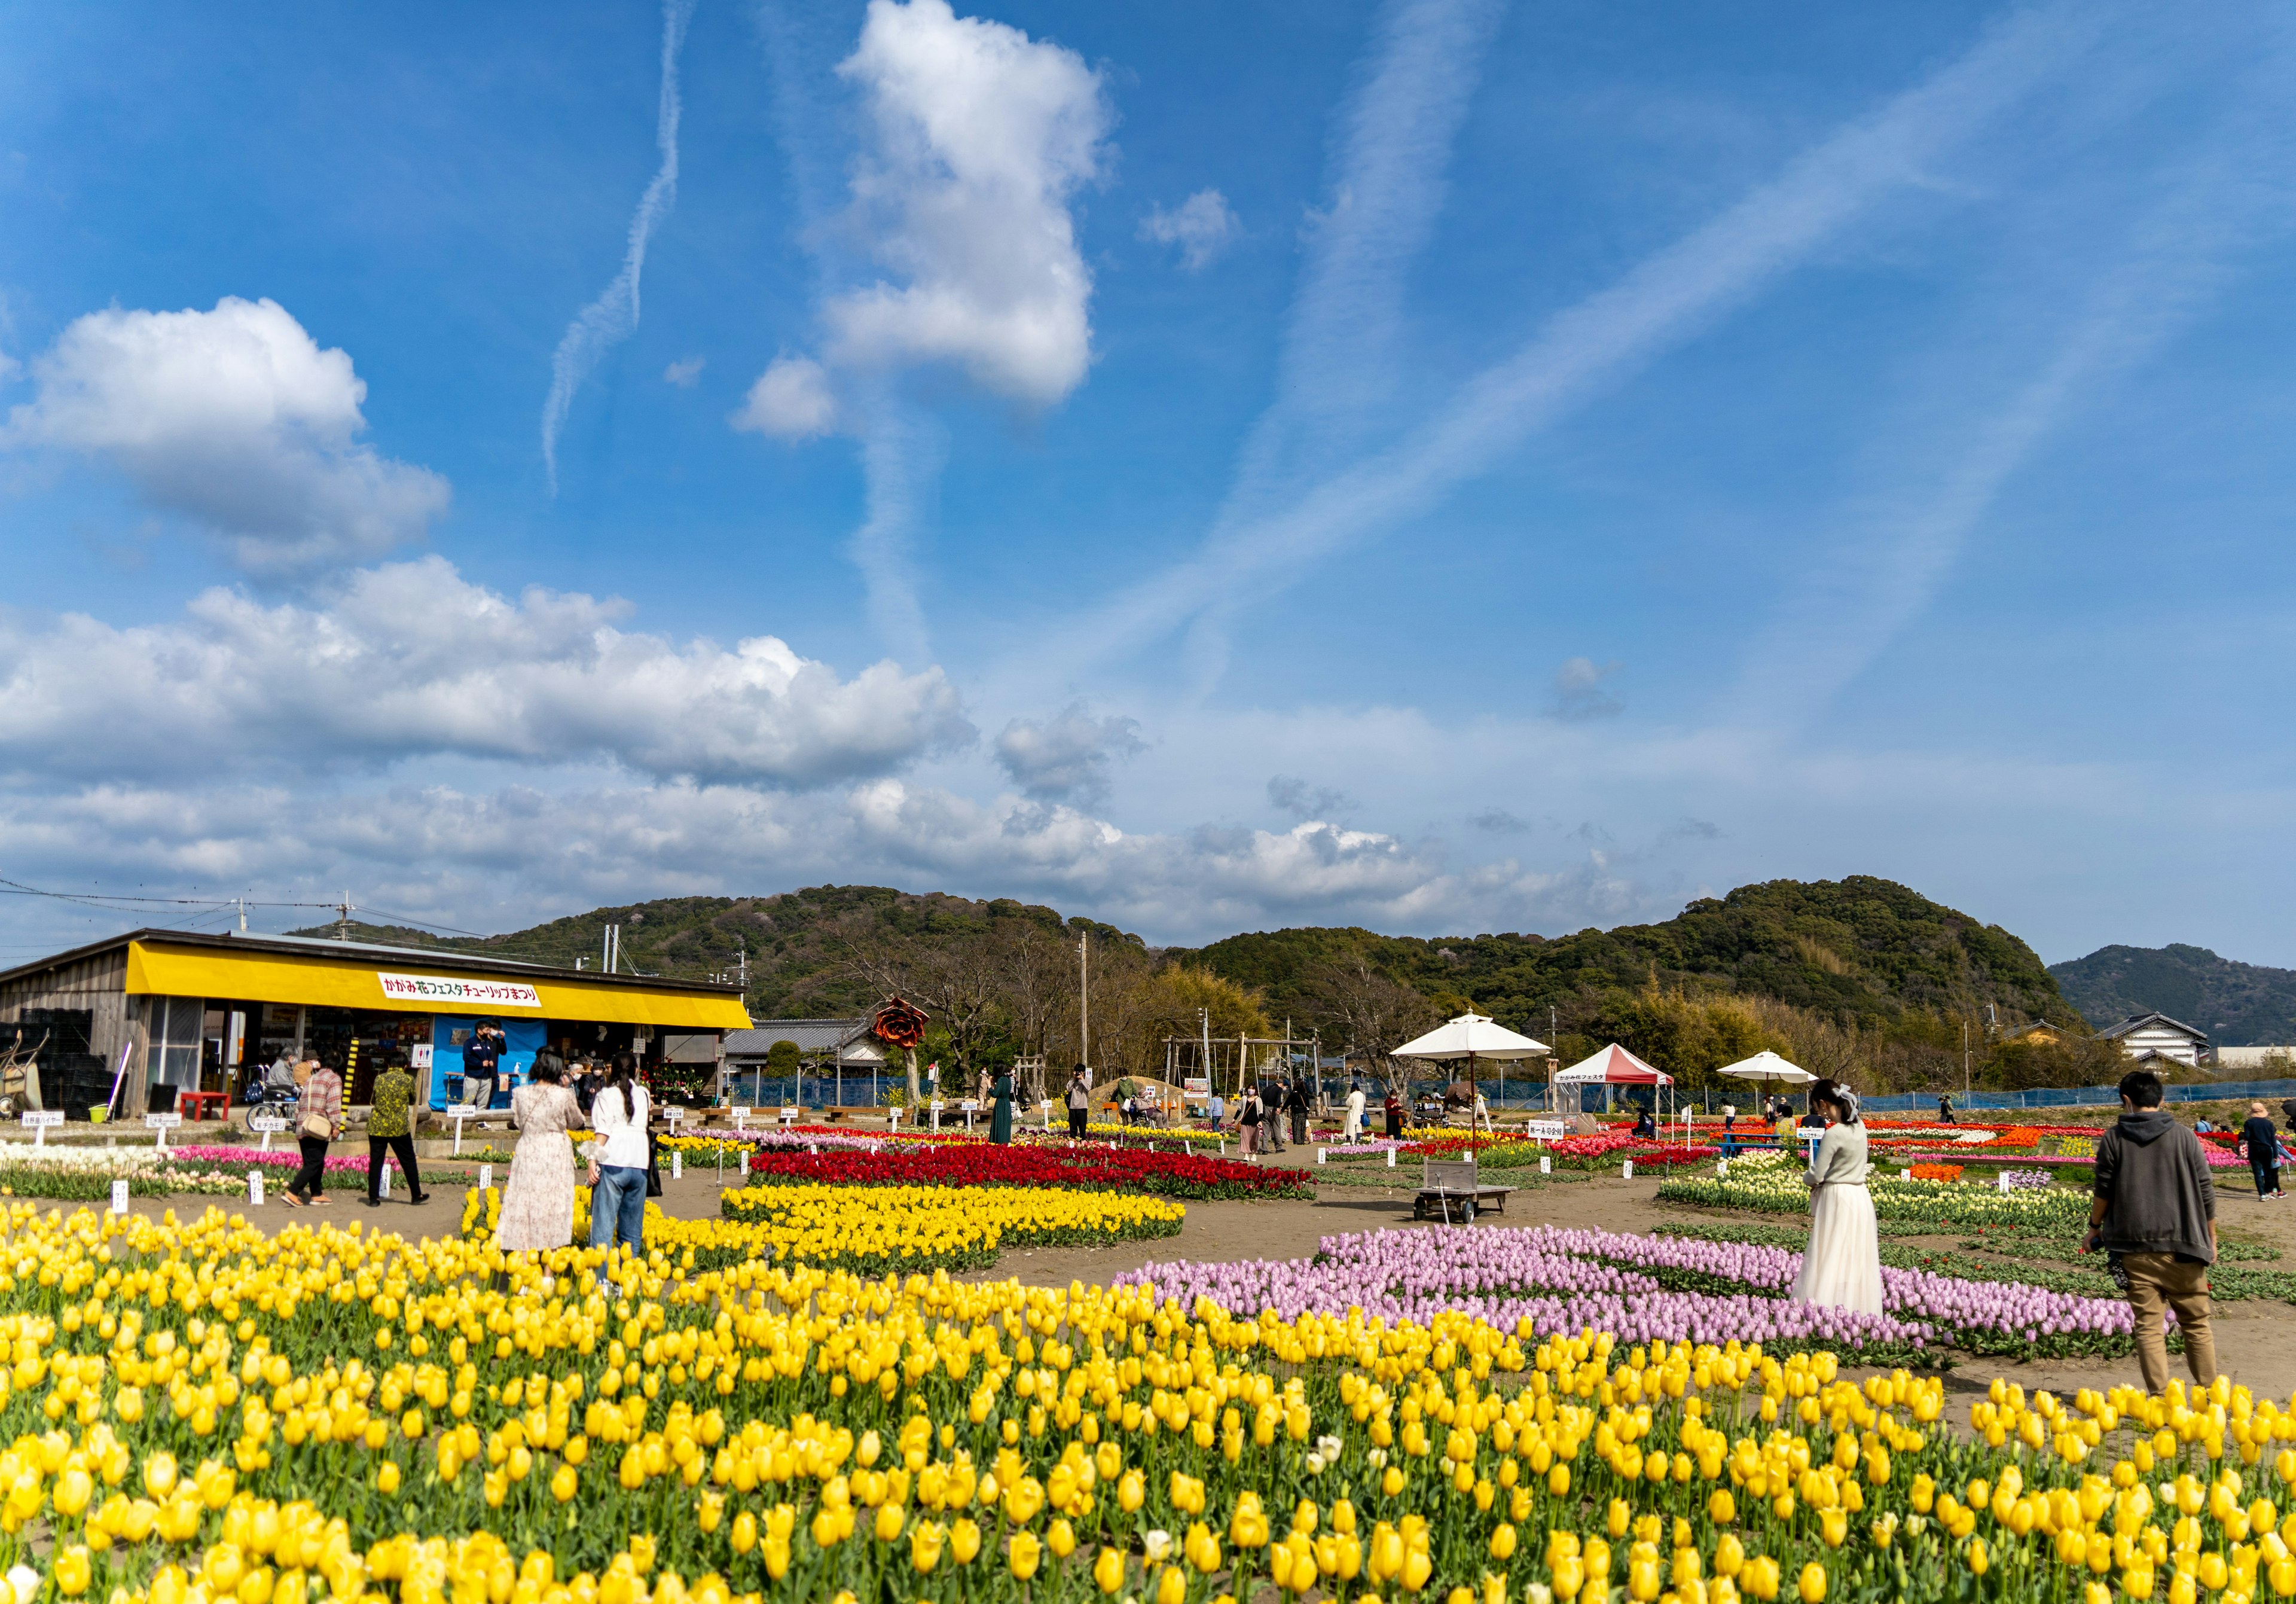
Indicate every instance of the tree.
{"type": "Point", "coordinates": [782, 1059]}
{"type": "Point", "coordinates": [1369, 1010]}
{"type": "Point", "coordinates": [1165, 1003]}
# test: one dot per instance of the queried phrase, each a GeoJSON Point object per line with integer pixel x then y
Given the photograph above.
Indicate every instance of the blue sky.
{"type": "Point", "coordinates": [1445, 465]}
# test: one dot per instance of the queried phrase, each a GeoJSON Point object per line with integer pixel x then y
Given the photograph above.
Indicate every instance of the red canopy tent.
{"type": "Point", "coordinates": [1614, 1065]}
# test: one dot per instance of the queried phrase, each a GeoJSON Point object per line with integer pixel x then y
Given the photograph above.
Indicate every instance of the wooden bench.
{"type": "Point", "coordinates": [1446, 1181]}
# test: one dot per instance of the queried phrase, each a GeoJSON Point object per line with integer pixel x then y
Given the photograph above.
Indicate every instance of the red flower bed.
{"type": "Point", "coordinates": [985, 1163]}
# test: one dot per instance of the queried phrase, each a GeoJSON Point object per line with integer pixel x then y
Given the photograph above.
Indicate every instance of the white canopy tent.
{"type": "Point", "coordinates": [1471, 1037]}
{"type": "Point", "coordinates": [1614, 1065]}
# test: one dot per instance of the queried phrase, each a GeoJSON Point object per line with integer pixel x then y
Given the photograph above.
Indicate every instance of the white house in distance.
{"type": "Point", "coordinates": [2144, 1036]}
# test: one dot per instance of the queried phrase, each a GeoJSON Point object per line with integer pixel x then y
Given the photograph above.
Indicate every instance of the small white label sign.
{"type": "Point", "coordinates": [42, 1118]}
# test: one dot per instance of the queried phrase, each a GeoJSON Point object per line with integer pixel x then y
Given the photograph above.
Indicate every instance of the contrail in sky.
{"type": "Point", "coordinates": [1592, 346]}
{"type": "Point", "coordinates": [609, 320]}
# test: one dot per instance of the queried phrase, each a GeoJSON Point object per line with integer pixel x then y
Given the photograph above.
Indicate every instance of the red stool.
{"type": "Point", "coordinates": [193, 1104]}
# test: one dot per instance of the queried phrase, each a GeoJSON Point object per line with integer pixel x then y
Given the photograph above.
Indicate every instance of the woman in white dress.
{"type": "Point", "coordinates": [1842, 1266]}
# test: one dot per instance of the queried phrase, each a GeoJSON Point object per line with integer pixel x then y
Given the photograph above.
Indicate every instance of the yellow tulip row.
{"type": "Point", "coordinates": [201, 1414]}
{"type": "Point", "coordinates": [878, 1228]}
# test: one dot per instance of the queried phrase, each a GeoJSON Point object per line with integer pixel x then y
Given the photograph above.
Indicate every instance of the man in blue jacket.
{"type": "Point", "coordinates": [482, 1063]}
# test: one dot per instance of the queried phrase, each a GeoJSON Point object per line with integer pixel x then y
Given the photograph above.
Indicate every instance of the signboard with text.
{"type": "Point", "coordinates": [458, 992]}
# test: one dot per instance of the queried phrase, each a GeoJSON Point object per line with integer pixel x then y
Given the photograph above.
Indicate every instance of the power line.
{"type": "Point", "coordinates": [106, 900]}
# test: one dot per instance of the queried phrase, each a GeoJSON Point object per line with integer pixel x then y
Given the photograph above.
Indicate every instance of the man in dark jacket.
{"type": "Point", "coordinates": [1297, 1102]}
{"type": "Point", "coordinates": [2263, 1144]}
{"type": "Point", "coordinates": [2156, 1208]}
{"type": "Point", "coordinates": [482, 1063]}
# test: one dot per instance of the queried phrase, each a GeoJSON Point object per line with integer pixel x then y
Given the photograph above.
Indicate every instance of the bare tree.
{"type": "Point", "coordinates": [1370, 1010]}
{"type": "Point", "coordinates": [1036, 972]}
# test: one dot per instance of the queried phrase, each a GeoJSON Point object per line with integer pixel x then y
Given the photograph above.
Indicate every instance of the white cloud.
{"type": "Point", "coordinates": [1298, 798]}
{"type": "Point", "coordinates": [237, 419]}
{"type": "Point", "coordinates": [790, 401]}
{"type": "Point", "coordinates": [1578, 692]}
{"type": "Point", "coordinates": [1202, 227]}
{"type": "Point", "coordinates": [685, 372]}
{"type": "Point", "coordinates": [411, 660]}
{"type": "Point", "coordinates": [1067, 756]}
{"type": "Point", "coordinates": [981, 137]}
{"type": "Point", "coordinates": [608, 320]}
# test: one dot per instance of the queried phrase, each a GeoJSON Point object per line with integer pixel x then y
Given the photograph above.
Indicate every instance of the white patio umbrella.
{"type": "Point", "coordinates": [1471, 1036]}
{"type": "Point", "coordinates": [1767, 1066]}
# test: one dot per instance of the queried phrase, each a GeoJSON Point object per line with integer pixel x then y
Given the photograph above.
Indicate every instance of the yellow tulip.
{"type": "Point", "coordinates": [1813, 1583]}
{"type": "Point", "coordinates": [1022, 1555]}
{"type": "Point", "coordinates": [1108, 1570]}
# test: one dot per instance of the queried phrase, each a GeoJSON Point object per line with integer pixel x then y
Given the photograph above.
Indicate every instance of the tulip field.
{"type": "Point", "coordinates": [199, 1412]}
{"type": "Point", "coordinates": [800, 1399]}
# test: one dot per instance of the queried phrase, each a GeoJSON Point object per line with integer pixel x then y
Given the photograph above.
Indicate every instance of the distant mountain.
{"type": "Point", "coordinates": [1858, 948]}
{"type": "Point", "coordinates": [2237, 1003]}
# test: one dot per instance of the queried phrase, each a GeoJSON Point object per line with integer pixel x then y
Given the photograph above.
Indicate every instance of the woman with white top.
{"type": "Point", "coordinates": [1842, 1266]}
{"type": "Point", "coordinates": [618, 1161]}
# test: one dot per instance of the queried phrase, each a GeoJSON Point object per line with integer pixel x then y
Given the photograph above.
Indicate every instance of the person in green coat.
{"type": "Point", "coordinates": [1000, 1127]}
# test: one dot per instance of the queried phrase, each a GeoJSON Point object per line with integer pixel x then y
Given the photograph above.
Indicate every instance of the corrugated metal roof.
{"type": "Point", "coordinates": [811, 1036]}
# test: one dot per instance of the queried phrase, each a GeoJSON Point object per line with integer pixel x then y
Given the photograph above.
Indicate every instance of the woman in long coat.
{"type": "Point", "coordinates": [1000, 1127]}
{"type": "Point", "coordinates": [538, 1210]}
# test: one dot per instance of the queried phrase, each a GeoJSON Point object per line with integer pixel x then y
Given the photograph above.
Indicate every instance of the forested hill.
{"type": "Point", "coordinates": [1858, 949]}
{"type": "Point", "coordinates": [2237, 1003]}
{"type": "Point", "coordinates": [802, 944]}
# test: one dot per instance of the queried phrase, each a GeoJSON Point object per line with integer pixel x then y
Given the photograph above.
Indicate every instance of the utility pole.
{"type": "Point", "coordinates": [1205, 1016]}
{"type": "Point", "coordinates": [1554, 1062]}
{"type": "Point", "coordinates": [742, 952]}
{"type": "Point", "coordinates": [343, 924]}
{"type": "Point", "coordinates": [1084, 996]}
{"type": "Point", "coordinates": [242, 915]}
{"type": "Point", "coordinates": [1965, 1064]}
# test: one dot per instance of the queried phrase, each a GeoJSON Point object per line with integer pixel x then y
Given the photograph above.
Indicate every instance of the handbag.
{"type": "Point", "coordinates": [317, 1126]}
